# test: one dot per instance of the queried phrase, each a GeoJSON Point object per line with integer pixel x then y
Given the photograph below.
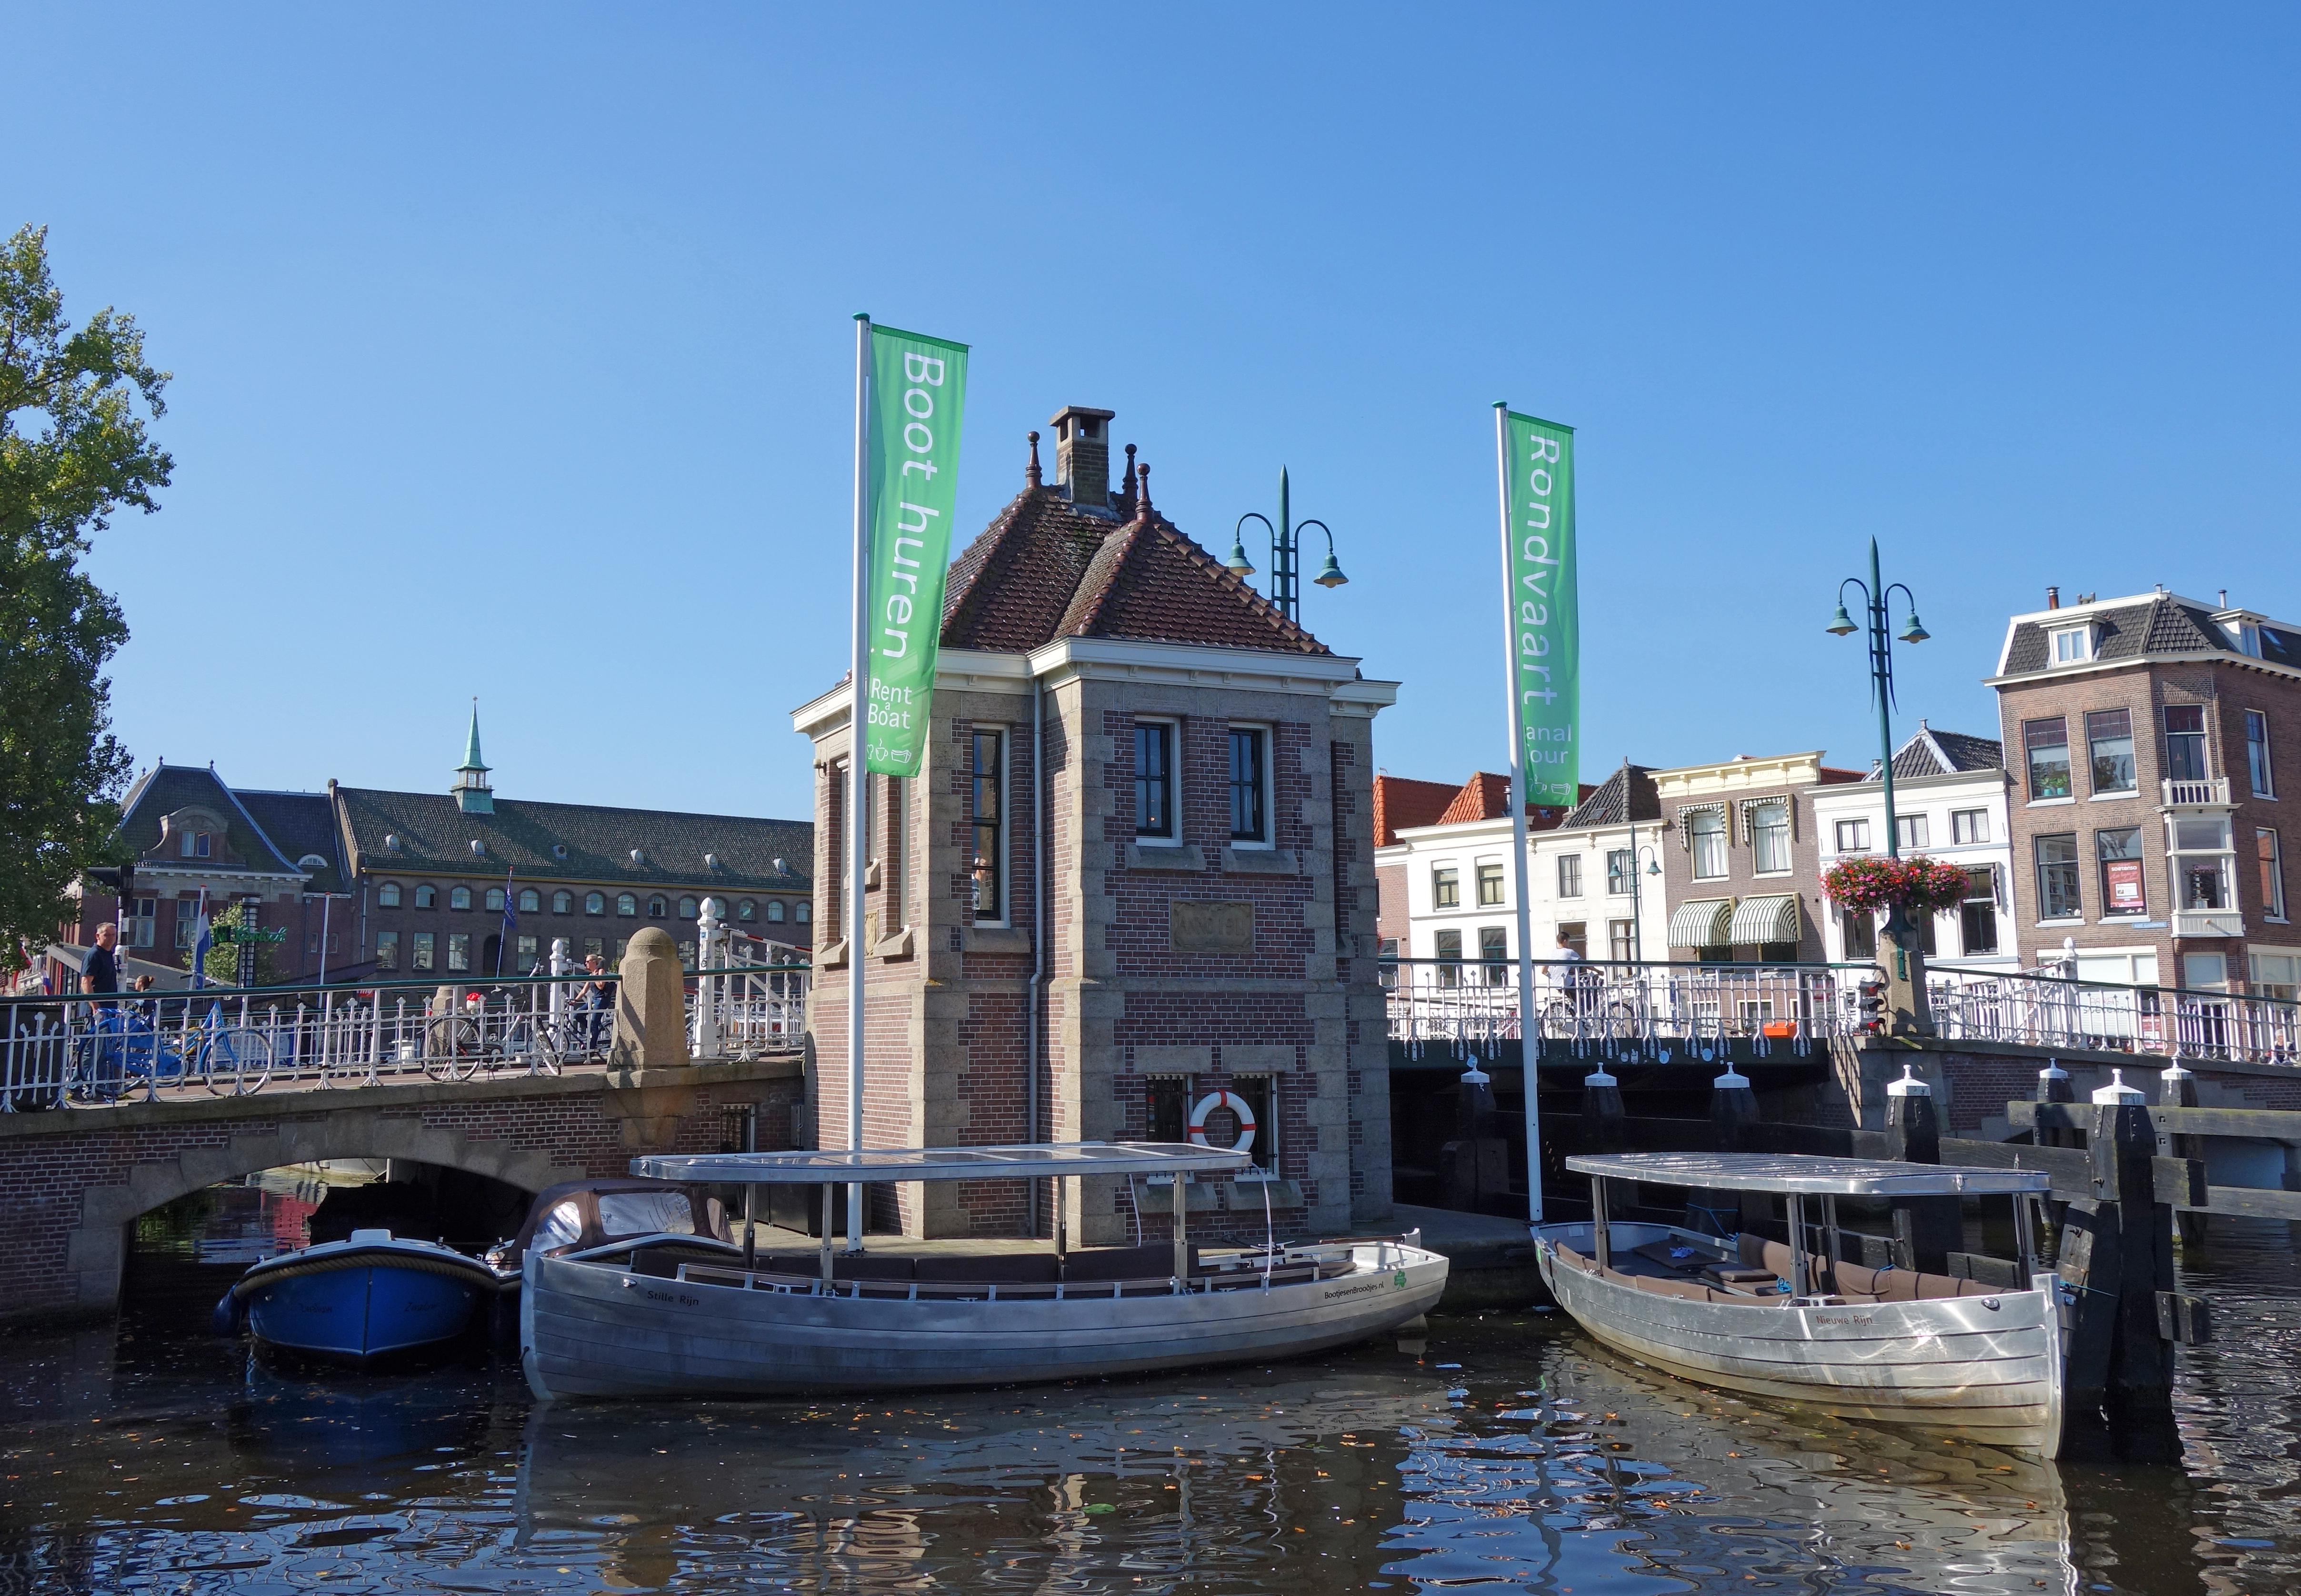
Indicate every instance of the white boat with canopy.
{"type": "Point", "coordinates": [672, 1314]}
{"type": "Point", "coordinates": [1795, 1321]}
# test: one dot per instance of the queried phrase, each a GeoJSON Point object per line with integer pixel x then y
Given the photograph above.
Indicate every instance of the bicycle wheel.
{"type": "Point", "coordinates": [238, 1061]}
{"type": "Point", "coordinates": [549, 1051]}
{"type": "Point", "coordinates": [451, 1048]}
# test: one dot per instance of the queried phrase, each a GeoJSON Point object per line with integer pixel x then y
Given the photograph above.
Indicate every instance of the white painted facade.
{"type": "Point", "coordinates": [1959, 818]}
{"type": "Point", "coordinates": [1572, 874]}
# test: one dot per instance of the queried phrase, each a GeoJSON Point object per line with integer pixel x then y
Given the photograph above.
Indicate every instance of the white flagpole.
{"type": "Point", "coordinates": [858, 841]}
{"type": "Point", "coordinates": [1530, 1044]}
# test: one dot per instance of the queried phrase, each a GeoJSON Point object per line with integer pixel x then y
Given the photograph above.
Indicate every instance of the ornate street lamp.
{"type": "Point", "coordinates": [1285, 560]}
{"type": "Point", "coordinates": [1874, 594]}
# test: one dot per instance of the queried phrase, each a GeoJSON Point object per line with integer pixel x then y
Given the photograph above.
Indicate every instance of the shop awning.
{"type": "Point", "coordinates": [1765, 920]}
{"type": "Point", "coordinates": [1700, 923]}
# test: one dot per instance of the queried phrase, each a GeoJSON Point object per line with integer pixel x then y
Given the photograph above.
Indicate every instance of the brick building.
{"type": "Point", "coordinates": [2152, 739]}
{"type": "Point", "coordinates": [1194, 771]}
{"type": "Point", "coordinates": [1742, 868]}
{"type": "Point", "coordinates": [368, 882]}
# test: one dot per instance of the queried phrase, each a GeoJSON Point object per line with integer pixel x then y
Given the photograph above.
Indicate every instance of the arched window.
{"type": "Point", "coordinates": [561, 902]}
{"type": "Point", "coordinates": [625, 904]}
{"type": "Point", "coordinates": [459, 897]}
{"type": "Point", "coordinates": [495, 900]}
{"type": "Point", "coordinates": [530, 902]}
{"type": "Point", "coordinates": [802, 912]}
{"type": "Point", "coordinates": [656, 908]}
{"type": "Point", "coordinates": [687, 908]}
{"type": "Point", "coordinates": [747, 910]}
{"type": "Point", "coordinates": [427, 897]}
{"type": "Point", "coordinates": [386, 896]}
{"type": "Point", "coordinates": [775, 910]}
{"type": "Point", "coordinates": [595, 903]}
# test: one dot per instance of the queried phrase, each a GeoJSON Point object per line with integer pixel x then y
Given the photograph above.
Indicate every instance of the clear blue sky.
{"type": "Point", "coordinates": [513, 352]}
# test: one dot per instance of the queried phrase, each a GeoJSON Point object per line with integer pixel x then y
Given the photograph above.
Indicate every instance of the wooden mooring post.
{"type": "Point", "coordinates": [2177, 1088]}
{"type": "Point", "coordinates": [2117, 1255]}
{"type": "Point", "coordinates": [1925, 1229]}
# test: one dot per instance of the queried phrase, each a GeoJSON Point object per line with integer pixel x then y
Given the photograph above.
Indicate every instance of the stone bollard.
{"type": "Point", "coordinates": [1925, 1229]}
{"type": "Point", "coordinates": [650, 1005]}
{"type": "Point", "coordinates": [2177, 1088]}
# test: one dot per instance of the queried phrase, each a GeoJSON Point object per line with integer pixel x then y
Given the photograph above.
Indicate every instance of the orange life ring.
{"type": "Point", "coordinates": [1223, 1100]}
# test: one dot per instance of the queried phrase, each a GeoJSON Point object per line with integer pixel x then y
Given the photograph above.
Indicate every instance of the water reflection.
{"type": "Point", "coordinates": [1505, 1451]}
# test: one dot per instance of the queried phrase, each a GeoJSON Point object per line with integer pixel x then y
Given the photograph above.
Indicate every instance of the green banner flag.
{"type": "Point", "coordinates": [1544, 615]}
{"type": "Point", "coordinates": [918, 395]}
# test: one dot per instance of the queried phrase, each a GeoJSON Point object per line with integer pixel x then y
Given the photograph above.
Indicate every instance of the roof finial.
{"type": "Point", "coordinates": [1143, 498]}
{"type": "Point", "coordinates": [1128, 507]}
{"type": "Point", "coordinates": [1031, 474]}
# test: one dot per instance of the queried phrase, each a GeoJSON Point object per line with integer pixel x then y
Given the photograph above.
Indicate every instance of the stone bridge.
{"type": "Point", "coordinates": [73, 1181]}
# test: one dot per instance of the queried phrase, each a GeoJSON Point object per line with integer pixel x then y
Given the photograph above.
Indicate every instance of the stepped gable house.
{"type": "Point", "coordinates": [407, 884]}
{"type": "Point", "coordinates": [1194, 772]}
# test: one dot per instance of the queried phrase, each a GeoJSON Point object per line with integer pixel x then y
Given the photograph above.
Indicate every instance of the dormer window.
{"type": "Point", "coordinates": [2072, 644]}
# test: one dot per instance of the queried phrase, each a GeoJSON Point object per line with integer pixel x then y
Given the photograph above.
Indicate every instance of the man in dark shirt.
{"type": "Point", "coordinates": [103, 971]}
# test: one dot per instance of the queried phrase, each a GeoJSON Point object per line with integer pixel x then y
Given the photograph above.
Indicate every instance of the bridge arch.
{"type": "Point", "coordinates": [96, 1250]}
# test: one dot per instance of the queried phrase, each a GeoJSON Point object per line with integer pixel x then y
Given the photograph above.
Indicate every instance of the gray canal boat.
{"type": "Point", "coordinates": [1798, 1322]}
{"type": "Point", "coordinates": [657, 1317]}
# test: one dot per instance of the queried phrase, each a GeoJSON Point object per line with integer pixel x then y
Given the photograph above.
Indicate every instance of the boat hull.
{"type": "Point", "coordinates": [1988, 1369]}
{"type": "Point", "coordinates": [360, 1305]}
{"type": "Point", "coordinates": [598, 1330]}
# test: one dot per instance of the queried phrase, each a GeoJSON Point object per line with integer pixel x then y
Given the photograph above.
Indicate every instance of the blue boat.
{"type": "Point", "coordinates": [361, 1299]}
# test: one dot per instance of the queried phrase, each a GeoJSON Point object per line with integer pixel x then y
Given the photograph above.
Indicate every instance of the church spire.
{"type": "Point", "coordinates": [471, 791]}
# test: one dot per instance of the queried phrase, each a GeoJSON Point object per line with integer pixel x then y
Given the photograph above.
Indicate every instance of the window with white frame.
{"type": "Point", "coordinates": [2072, 644]}
{"type": "Point", "coordinates": [2256, 753]}
{"type": "Point", "coordinates": [1445, 887]}
{"type": "Point", "coordinates": [1706, 832]}
{"type": "Point", "coordinates": [2271, 866]}
{"type": "Point", "coordinates": [2275, 973]}
{"type": "Point", "coordinates": [387, 950]}
{"type": "Point", "coordinates": [1494, 953]}
{"type": "Point", "coordinates": [1977, 916]}
{"type": "Point", "coordinates": [1770, 837]}
{"type": "Point", "coordinates": [1969, 826]}
{"type": "Point", "coordinates": [1621, 872]}
{"type": "Point", "coordinates": [2057, 877]}
{"type": "Point", "coordinates": [386, 896]}
{"type": "Point", "coordinates": [2201, 861]}
{"type": "Point", "coordinates": [2109, 744]}
{"type": "Point", "coordinates": [1569, 876]}
{"type": "Point", "coordinates": [1852, 836]}
{"type": "Point", "coordinates": [1448, 947]}
{"type": "Point", "coordinates": [1912, 831]}
{"type": "Point", "coordinates": [1490, 884]}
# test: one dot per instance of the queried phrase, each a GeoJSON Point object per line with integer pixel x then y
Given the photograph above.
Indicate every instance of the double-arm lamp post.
{"type": "Point", "coordinates": [1906, 973]}
{"type": "Point", "coordinates": [1285, 559]}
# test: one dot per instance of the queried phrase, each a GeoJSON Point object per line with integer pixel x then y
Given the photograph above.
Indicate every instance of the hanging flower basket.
{"type": "Point", "coordinates": [1869, 885]}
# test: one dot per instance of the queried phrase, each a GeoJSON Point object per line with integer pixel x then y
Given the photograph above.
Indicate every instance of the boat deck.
{"type": "Point", "coordinates": [1754, 1272]}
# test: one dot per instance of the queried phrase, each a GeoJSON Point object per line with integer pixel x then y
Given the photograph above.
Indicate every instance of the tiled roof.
{"type": "Point", "coordinates": [1627, 796]}
{"type": "Point", "coordinates": [436, 836]}
{"type": "Point", "coordinates": [167, 788]}
{"type": "Point", "coordinates": [1486, 795]}
{"type": "Point", "coordinates": [1932, 753]}
{"type": "Point", "coordinates": [2161, 625]}
{"type": "Point", "coordinates": [300, 824]}
{"type": "Point", "coordinates": [1046, 568]}
{"type": "Point", "coordinates": [1402, 801]}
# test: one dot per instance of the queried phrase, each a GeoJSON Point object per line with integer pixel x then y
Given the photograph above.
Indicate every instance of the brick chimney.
{"type": "Point", "coordinates": [1083, 454]}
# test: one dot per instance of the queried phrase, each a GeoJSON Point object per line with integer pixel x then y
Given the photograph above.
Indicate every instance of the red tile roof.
{"type": "Point", "coordinates": [1401, 801]}
{"type": "Point", "coordinates": [1048, 569]}
{"type": "Point", "coordinates": [1486, 795]}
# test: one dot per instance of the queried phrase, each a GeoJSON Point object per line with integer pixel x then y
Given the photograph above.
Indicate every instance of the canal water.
{"type": "Point", "coordinates": [1500, 1452]}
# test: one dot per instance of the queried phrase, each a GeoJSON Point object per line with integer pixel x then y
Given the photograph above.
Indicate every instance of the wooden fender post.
{"type": "Point", "coordinates": [1925, 1229]}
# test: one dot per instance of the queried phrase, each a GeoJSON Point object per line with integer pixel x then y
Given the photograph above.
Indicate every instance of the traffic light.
{"type": "Point", "coordinates": [1870, 1001]}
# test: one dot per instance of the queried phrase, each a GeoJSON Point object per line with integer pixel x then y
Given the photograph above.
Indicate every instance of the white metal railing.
{"type": "Point", "coordinates": [230, 1042]}
{"type": "Point", "coordinates": [2056, 1011]}
{"type": "Point", "coordinates": [1588, 1001]}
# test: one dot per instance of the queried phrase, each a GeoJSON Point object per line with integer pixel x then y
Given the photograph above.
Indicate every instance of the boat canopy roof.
{"type": "Point", "coordinates": [826, 1166]}
{"type": "Point", "coordinates": [1808, 1176]}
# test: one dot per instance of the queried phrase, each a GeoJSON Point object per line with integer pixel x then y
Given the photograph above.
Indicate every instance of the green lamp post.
{"type": "Point", "coordinates": [1909, 992]}
{"type": "Point", "coordinates": [1286, 555]}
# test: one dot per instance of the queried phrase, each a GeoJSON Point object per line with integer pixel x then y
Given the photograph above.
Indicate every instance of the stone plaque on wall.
{"type": "Point", "coordinates": [1209, 926]}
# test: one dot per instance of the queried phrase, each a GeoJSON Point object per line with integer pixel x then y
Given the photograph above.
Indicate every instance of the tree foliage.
{"type": "Point", "coordinates": [73, 450]}
{"type": "Point", "coordinates": [223, 955]}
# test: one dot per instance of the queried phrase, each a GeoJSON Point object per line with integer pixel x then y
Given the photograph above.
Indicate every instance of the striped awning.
{"type": "Point", "coordinates": [1700, 923]}
{"type": "Point", "coordinates": [1765, 920]}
